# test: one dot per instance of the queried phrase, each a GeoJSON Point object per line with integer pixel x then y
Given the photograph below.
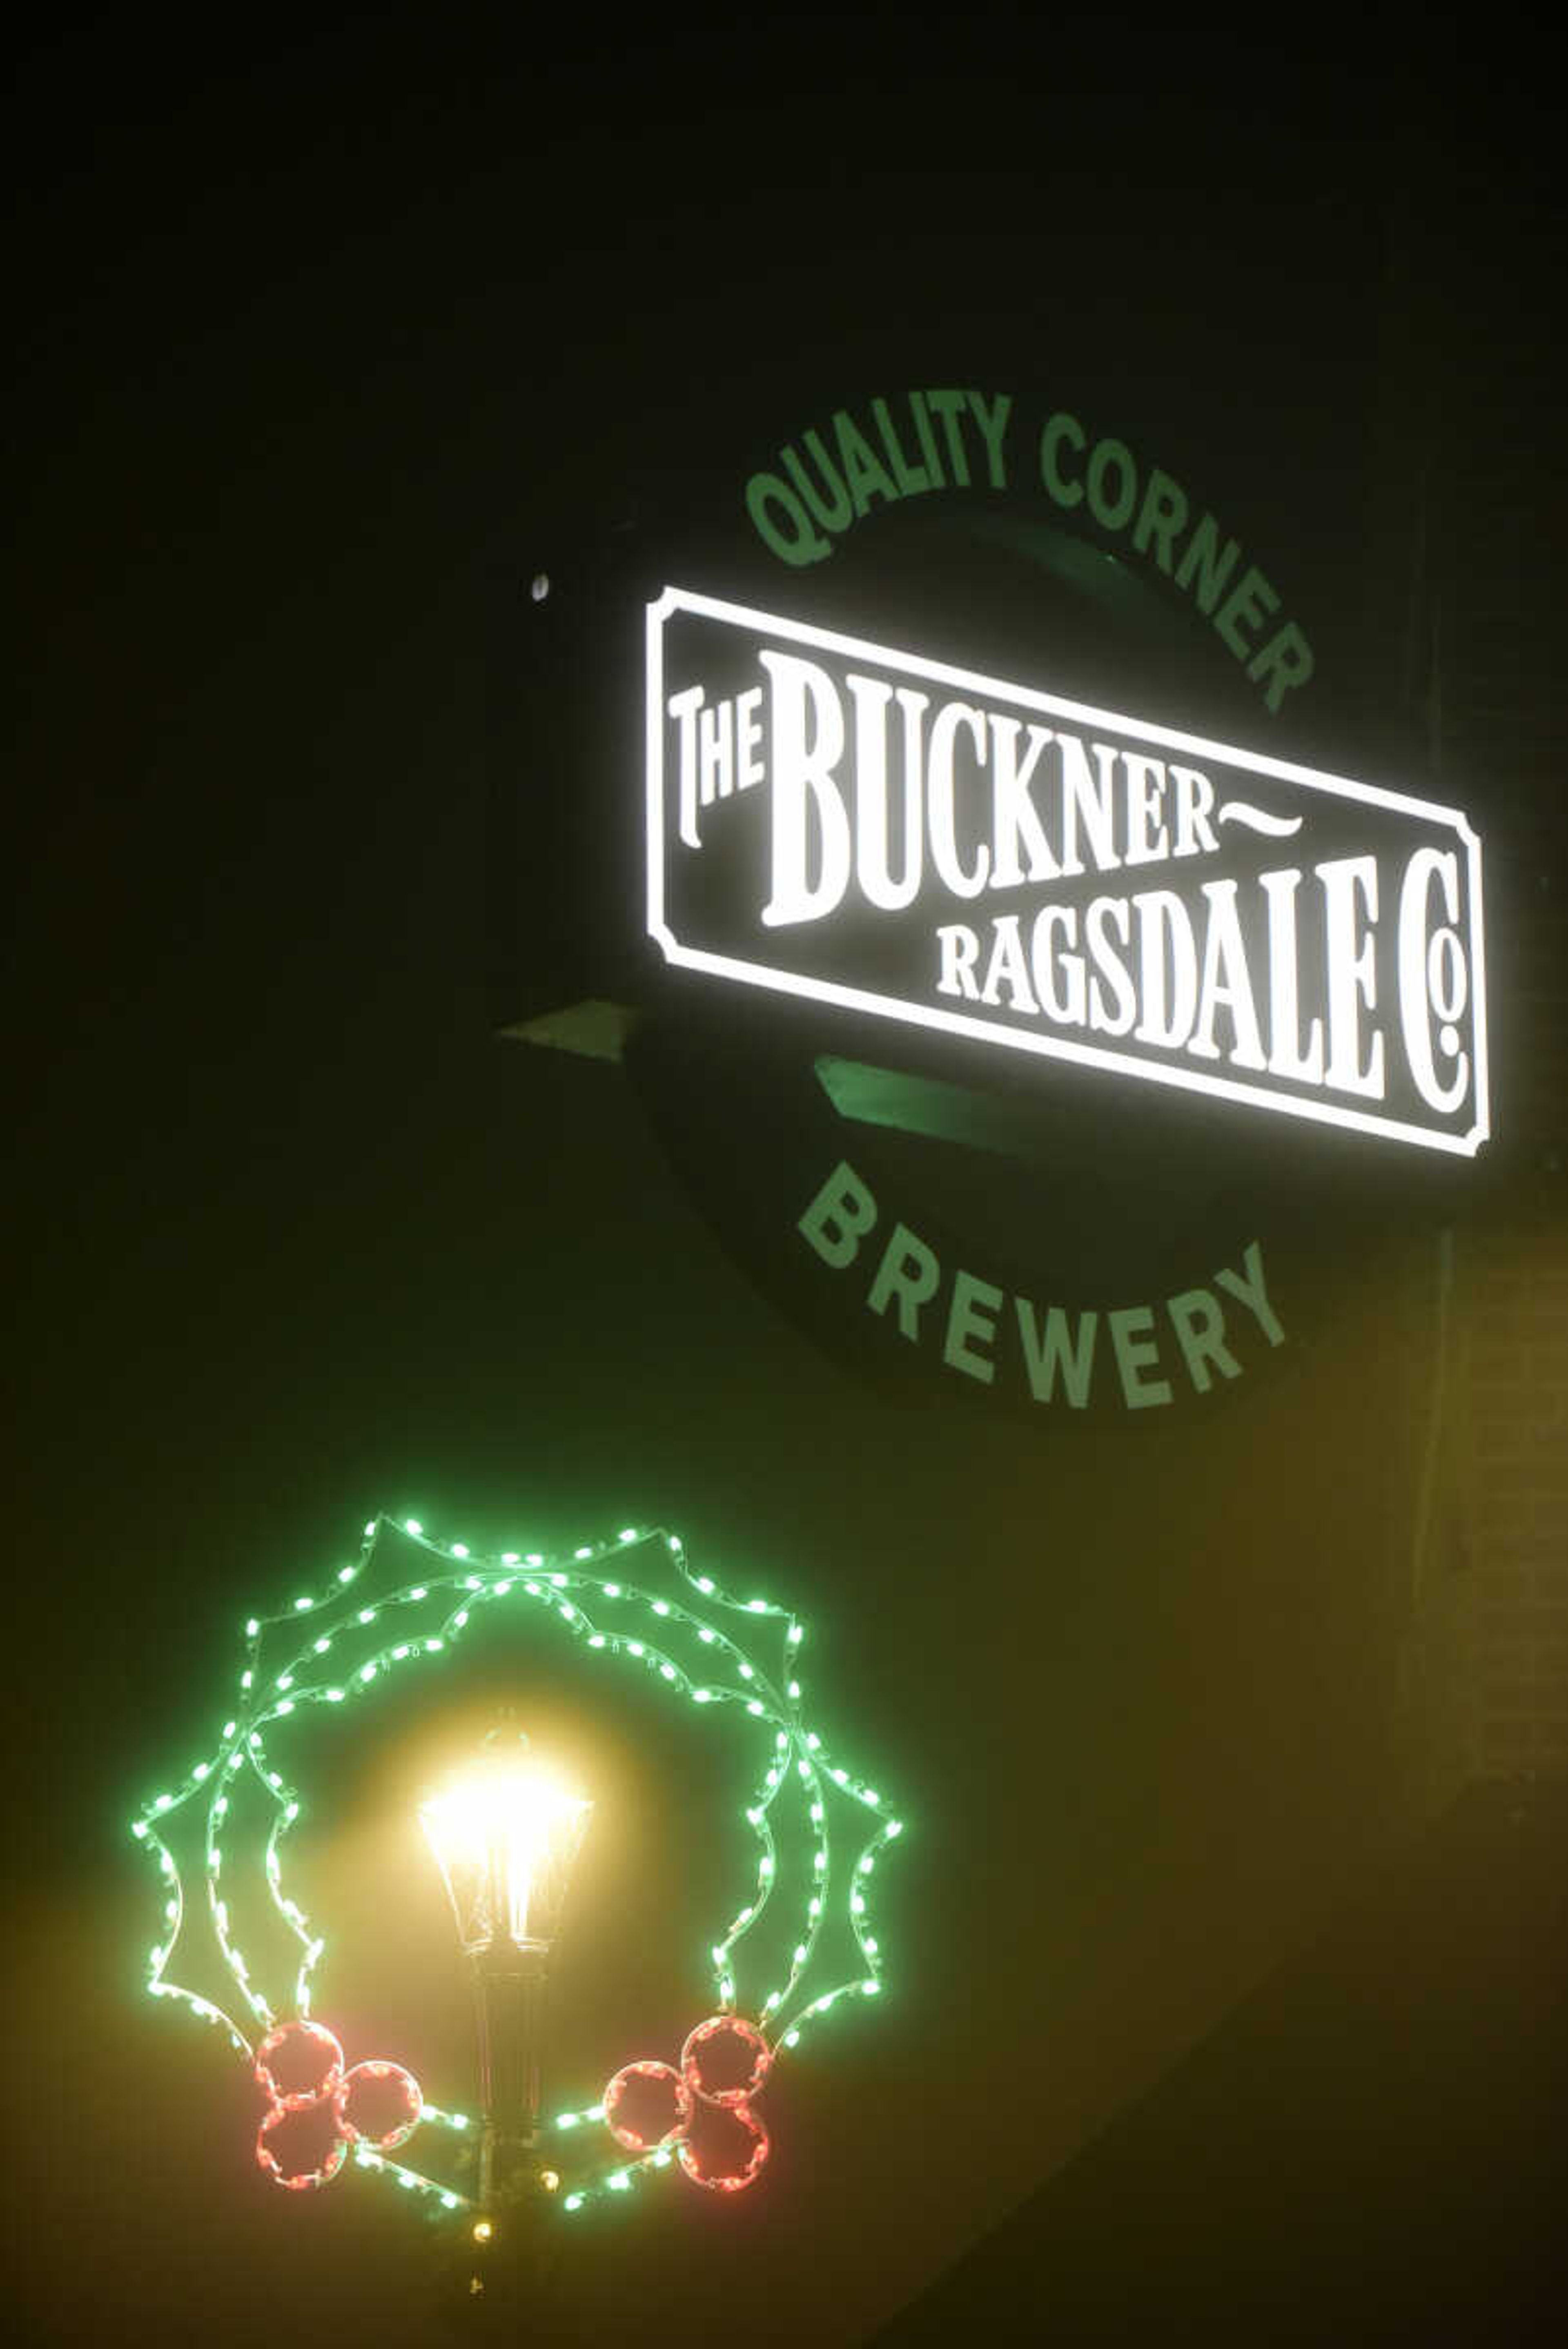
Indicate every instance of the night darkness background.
{"type": "Point", "coordinates": [326, 344]}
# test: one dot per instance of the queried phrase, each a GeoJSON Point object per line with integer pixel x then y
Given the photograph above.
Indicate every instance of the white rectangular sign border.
{"type": "Point", "coordinates": [959, 1023]}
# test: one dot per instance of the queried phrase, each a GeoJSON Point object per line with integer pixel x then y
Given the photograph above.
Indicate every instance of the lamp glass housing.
{"type": "Point", "coordinates": [504, 1836]}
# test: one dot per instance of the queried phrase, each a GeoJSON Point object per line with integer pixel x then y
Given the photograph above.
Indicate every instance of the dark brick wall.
{"type": "Point", "coordinates": [1514, 1499]}
{"type": "Point", "coordinates": [1468, 590]}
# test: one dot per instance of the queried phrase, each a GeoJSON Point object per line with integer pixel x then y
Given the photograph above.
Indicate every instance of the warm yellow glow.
{"type": "Point", "coordinates": [482, 2231]}
{"type": "Point", "coordinates": [550, 2180]}
{"type": "Point", "coordinates": [502, 1835]}
{"type": "Point", "coordinates": [520, 1807]}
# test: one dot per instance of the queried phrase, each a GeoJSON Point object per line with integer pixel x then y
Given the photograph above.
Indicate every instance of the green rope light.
{"type": "Point", "coordinates": [810, 1817]}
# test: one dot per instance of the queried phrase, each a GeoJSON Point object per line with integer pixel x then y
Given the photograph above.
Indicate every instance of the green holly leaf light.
{"type": "Point", "coordinates": [817, 1829]}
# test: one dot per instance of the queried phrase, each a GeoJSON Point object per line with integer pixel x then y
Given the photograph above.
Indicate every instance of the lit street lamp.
{"type": "Point", "coordinates": [505, 1833]}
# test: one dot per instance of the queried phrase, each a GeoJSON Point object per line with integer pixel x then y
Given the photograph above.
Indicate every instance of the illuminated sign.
{"type": "Point", "coordinates": [863, 827]}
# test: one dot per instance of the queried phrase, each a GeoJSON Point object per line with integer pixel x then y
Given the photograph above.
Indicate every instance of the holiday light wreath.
{"type": "Point", "coordinates": [812, 1819]}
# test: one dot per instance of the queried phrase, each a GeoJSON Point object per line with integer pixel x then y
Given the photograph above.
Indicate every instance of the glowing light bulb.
{"type": "Point", "coordinates": [504, 1836]}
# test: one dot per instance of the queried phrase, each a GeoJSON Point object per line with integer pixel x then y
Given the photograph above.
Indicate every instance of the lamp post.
{"type": "Point", "coordinates": [504, 1833]}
